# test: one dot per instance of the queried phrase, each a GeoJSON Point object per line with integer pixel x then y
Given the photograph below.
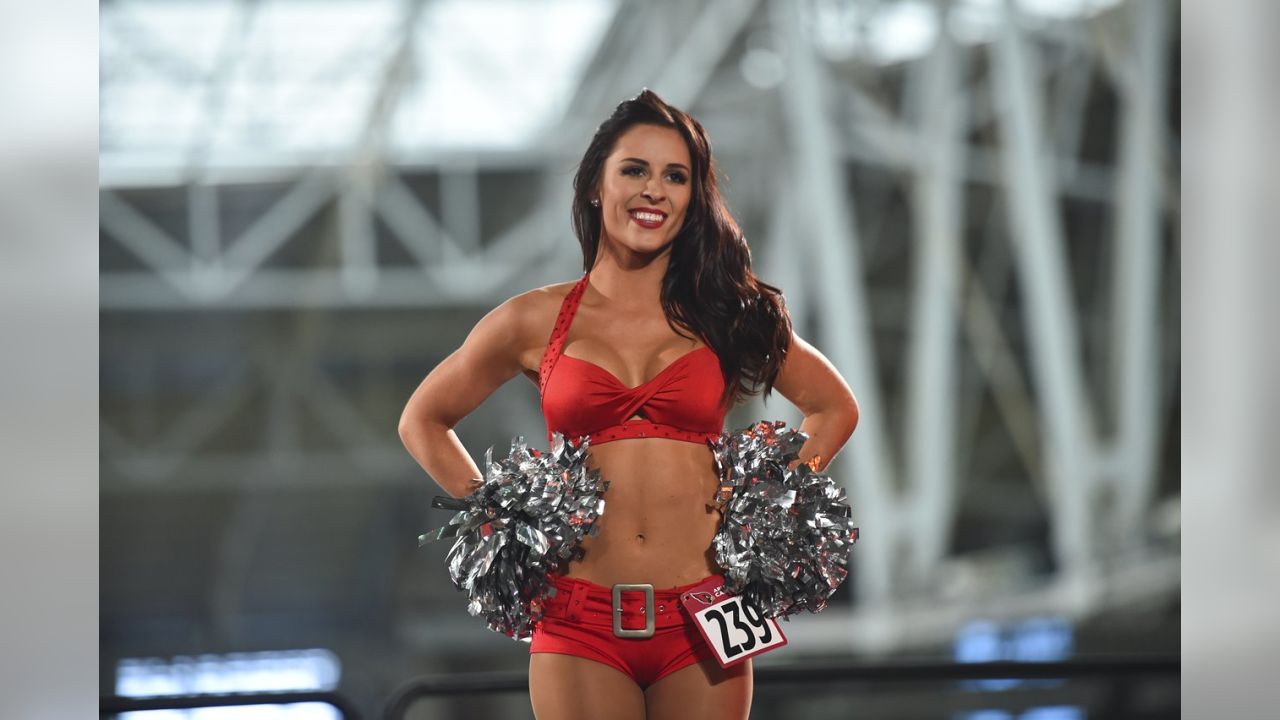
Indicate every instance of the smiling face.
{"type": "Point", "coordinates": [645, 189]}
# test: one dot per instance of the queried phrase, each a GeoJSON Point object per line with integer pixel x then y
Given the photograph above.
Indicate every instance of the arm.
{"type": "Point", "coordinates": [814, 386]}
{"type": "Point", "coordinates": [489, 357]}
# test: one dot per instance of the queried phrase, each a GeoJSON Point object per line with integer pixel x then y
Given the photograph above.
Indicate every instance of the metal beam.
{"type": "Point", "coordinates": [996, 361]}
{"type": "Point", "coordinates": [183, 436]}
{"type": "Point", "coordinates": [691, 66]}
{"type": "Point", "coordinates": [1136, 335]}
{"type": "Point", "coordinates": [214, 93]}
{"type": "Point", "coordinates": [835, 269]}
{"type": "Point", "coordinates": [412, 224]}
{"type": "Point", "coordinates": [930, 462]}
{"type": "Point", "coordinates": [461, 284]}
{"type": "Point", "coordinates": [141, 237]}
{"type": "Point", "coordinates": [1050, 317]}
{"type": "Point", "coordinates": [460, 208]}
{"type": "Point", "coordinates": [149, 471]}
{"type": "Point", "coordinates": [270, 232]}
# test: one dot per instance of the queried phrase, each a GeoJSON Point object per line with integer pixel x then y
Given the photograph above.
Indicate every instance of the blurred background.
{"type": "Point", "coordinates": [971, 206]}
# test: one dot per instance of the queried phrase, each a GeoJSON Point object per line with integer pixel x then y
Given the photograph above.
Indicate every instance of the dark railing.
{"type": "Point", "coordinates": [1109, 668]}
{"type": "Point", "coordinates": [115, 704]}
{"type": "Point", "coordinates": [396, 708]}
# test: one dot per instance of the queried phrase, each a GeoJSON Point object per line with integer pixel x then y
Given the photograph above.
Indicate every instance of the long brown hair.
{"type": "Point", "coordinates": [709, 288]}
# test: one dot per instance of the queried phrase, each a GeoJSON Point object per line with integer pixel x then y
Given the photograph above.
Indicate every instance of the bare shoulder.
{"type": "Point", "coordinates": [530, 317]}
{"type": "Point", "coordinates": [554, 293]}
{"type": "Point", "coordinates": [534, 310]}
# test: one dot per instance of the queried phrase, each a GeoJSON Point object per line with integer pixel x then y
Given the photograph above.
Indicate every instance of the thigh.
{"type": "Point", "coordinates": [567, 687]}
{"type": "Point", "coordinates": [704, 690]}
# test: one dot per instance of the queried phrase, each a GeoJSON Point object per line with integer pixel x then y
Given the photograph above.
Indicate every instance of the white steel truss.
{"type": "Point", "coordinates": [965, 117]}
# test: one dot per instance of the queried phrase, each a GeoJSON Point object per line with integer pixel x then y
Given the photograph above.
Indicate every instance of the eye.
{"type": "Point", "coordinates": [677, 177]}
{"type": "Point", "coordinates": [632, 170]}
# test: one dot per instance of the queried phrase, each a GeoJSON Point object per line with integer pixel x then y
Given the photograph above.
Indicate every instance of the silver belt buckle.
{"type": "Point", "coordinates": [649, 624]}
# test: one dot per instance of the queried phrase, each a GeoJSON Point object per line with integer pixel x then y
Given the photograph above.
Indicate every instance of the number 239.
{"type": "Point", "coordinates": [754, 624]}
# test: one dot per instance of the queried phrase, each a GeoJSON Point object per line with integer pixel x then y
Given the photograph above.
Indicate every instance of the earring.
{"type": "Point", "coordinates": [595, 202]}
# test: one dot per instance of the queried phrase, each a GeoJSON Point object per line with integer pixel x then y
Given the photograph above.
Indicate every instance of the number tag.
{"type": "Point", "coordinates": [733, 628]}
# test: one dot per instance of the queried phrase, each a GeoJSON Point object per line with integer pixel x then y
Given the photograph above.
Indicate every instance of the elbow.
{"type": "Point", "coordinates": [419, 431]}
{"type": "Point", "coordinates": [846, 416]}
{"type": "Point", "coordinates": [852, 414]}
{"type": "Point", "coordinates": [406, 427]}
{"type": "Point", "coordinates": [411, 426]}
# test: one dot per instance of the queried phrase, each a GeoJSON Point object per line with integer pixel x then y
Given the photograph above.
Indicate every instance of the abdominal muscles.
{"type": "Point", "coordinates": [657, 525]}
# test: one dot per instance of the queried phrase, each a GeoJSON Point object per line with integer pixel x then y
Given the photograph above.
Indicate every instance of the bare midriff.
{"type": "Point", "coordinates": [657, 525]}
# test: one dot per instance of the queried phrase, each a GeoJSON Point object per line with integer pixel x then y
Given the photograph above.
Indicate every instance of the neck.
{"type": "Point", "coordinates": [632, 282]}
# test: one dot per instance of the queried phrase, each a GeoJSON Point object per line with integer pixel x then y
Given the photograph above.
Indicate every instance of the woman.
{"type": "Point", "coordinates": [644, 355]}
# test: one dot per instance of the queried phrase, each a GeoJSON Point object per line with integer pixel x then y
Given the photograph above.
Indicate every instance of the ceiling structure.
{"type": "Point", "coordinates": [971, 207]}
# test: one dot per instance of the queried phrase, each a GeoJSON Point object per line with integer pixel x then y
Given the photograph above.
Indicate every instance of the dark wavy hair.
{"type": "Point", "coordinates": [709, 288]}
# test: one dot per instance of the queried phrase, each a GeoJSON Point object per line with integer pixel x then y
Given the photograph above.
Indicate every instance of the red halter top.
{"type": "Point", "coordinates": [680, 403]}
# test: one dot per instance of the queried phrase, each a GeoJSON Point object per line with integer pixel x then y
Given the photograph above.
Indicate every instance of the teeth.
{"type": "Point", "coordinates": [647, 217]}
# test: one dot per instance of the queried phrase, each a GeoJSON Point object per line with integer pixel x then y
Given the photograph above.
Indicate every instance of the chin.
{"type": "Point", "coordinates": [651, 248]}
{"type": "Point", "coordinates": [641, 244]}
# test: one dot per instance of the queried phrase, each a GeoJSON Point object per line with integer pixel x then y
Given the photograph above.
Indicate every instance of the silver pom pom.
{"type": "Point", "coordinates": [524, 522]}
{"type": "Point", "coordinates": [785, 538]}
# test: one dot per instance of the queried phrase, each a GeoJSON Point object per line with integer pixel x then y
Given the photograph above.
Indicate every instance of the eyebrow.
{"type": "Point", "coordinates": [646, 163]}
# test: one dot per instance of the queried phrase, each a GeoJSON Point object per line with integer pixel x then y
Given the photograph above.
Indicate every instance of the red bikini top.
{"type": "Point", "coordinates": [681, 403]}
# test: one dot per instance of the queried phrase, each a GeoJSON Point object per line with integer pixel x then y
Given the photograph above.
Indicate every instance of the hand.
{"type": "Point", "coordinates": [815, 463]}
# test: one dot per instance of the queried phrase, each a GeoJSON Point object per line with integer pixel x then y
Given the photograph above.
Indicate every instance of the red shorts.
{"type": "Point", "coordinates": [578, 621]}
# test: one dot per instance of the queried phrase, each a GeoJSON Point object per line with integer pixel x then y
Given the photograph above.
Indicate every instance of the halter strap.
{"type": "Point", "coordinates": [555, 345]}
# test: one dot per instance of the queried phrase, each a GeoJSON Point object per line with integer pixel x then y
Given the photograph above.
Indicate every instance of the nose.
{"type": "Point", "coordinates": [653, 194]}
{"type": "Point", "coordinates": [653, 190]}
